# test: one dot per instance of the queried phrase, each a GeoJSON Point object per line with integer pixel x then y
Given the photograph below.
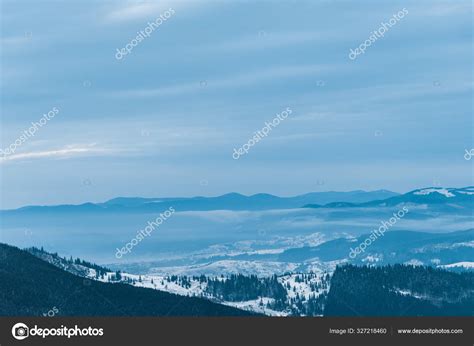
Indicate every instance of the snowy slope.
{"type": "Point", "coordinates": [297, 286]}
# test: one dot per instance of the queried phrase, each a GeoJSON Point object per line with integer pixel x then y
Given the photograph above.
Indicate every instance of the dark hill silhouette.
{"type": "Point", "coordinates": [30, 287]}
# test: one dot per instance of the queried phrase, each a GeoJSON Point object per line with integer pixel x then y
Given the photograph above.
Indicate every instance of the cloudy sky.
{"type": "Point", "coordinates": [164, 120]}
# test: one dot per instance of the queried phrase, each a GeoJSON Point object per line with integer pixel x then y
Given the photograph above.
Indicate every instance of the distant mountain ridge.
{"type": "Point", "coordinates": [230, 201]}
{"type": "Point", "coordinates": [439, 196]}
{"type": "Point", "coordinates": [430, 195]}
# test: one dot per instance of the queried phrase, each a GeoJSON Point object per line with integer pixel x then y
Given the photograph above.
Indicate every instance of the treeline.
{"type": "Point", "coordinates": [315, 303]}
{"type": "Point", "coordinates": [57, 260]}
{"type": "Point", "coordinates": [312, 306]}
{"type": "Point", "coordinates": [100, 270]}
{"type": "Point", "coordinates": [238, 287]}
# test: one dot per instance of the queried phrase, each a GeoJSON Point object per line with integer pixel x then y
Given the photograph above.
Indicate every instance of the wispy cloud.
{"type": "Point", "coordinates": [447, 8]}
{"type": "Point", "coordinates": [65, 152]}
{"type": "Point", "coordinates": [141, 10]}
{"type": "Point", "coordinates": [234, 81]}
{"type": "Point", "coordinates": [15, 40]}
{"type": "Point", "coordinates": [264, 40]}
{"type": "Point", "coordinates": [131, 10]}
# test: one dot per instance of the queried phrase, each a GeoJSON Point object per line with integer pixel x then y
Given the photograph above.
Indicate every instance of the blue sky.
{"type": "Point", "coordinates": [164, 120]}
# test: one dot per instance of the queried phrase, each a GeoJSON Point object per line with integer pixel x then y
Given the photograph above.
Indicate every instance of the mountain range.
{"type": "Point", "coordinates": [453, 197]}
{"type": "Point", "coordinates": [234, 201]}
{"type": "Point", "coordinates": [230, 201]}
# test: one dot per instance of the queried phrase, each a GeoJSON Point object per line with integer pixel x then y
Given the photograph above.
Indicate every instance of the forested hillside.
{"type": "Point", "coordinates": [400, 290]}
{"type": "Point", "coordinates": [30, 286]}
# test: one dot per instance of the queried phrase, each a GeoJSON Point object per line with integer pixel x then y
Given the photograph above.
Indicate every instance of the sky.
{"type": "Point", "coordinates": [165, 118]}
